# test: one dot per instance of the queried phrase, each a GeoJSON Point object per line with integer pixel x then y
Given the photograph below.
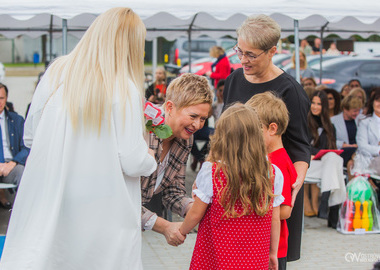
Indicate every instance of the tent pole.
{"type": "Point", "coordinates": [154, 56]}
{"type": "Point", "coordinates": [64, 36]}
{"type": "Point", "coordinates": [321, 53]}
{"type": "Point", "coordinates": [297, 50]}
{"type": "Point", "coordinates": [50, 40]}
{"type": "Point", "coordinates": [189, 38]}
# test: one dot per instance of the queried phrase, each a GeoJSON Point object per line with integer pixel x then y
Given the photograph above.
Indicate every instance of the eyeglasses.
{"type": "Point", "coordinates": [249, 56]}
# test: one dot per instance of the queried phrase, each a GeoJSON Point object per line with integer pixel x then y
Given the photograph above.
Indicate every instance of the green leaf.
{"type": "Point", "coordinates": [163, 131]}
{"type": "Point", "coordinates": [149, 126]}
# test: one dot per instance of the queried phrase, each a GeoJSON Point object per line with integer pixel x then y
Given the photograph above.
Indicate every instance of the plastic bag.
{"type": "Point", "coordinates": [359, 214]}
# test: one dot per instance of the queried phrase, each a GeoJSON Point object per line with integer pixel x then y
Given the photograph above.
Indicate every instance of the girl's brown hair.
{"type": "Point", "coordinates": [238, 148]}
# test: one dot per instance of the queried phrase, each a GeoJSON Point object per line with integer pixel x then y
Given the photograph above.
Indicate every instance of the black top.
{"type": "Point", "coordinates": [351, 131]}
{"type": "Point", "coordinates": [295, 139]}
{"type": "Point", "coordinates": [322, 142]}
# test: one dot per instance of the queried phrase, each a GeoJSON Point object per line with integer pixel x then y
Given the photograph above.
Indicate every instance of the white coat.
{"type": "Point", "coordinates": [78, 206]}
{"type": "Point", "coordinates": [368, 136]}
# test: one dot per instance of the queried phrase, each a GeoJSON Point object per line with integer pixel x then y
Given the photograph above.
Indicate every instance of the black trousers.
{"type": "Point", "coordinates": [295, 229]}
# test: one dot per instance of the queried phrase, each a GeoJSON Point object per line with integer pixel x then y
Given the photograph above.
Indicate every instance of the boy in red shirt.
{"type": "Point", "coordinates": [274, 118]}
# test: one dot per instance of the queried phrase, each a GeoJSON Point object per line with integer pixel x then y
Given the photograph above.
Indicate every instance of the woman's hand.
{"type": "Point", "coordinates": [173, 235]}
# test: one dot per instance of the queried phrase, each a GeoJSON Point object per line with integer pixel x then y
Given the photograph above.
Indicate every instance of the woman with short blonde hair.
{"type": "Point", "coordinates": [187, 106]}
{"type": "Point", "coordinates": [85, 130]}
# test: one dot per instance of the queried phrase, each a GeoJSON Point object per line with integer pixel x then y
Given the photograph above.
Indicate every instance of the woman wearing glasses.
{"type": "Point", "coordinates": [257, 40]}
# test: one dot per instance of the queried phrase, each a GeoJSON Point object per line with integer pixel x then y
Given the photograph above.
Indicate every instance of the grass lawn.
{"type": "Point", "coordinates": [11, 65]}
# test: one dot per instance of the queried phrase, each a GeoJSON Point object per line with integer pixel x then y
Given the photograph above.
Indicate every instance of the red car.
{"type": "Point", "coordinates": [202, 65]}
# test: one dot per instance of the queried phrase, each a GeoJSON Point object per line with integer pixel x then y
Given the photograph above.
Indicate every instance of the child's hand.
{"type": "Point", "coordinates": [273, 262]}
{"type": "Point", "coordinates": [173, 235]}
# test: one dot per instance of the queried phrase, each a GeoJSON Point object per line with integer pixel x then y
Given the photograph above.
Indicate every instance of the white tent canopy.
{"type": "Point", "coordinates": [173, 18]}
{"type": "Point", "coordinates": [215, 18]}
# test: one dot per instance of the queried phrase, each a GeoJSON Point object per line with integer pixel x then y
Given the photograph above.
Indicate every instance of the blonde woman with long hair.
{"type": "Point", "coordinates": [79, 202]}
{"type": "Point", "coordinates": [234, 198]}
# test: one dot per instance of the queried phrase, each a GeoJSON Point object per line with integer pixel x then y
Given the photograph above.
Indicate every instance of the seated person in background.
{"type": "Point", "coordinates": [354, 83]}
{"type": "Point", "coordinates": [199, 156]}
{"type": "Point", "coordinates": [334, 101]}
{"type": "Point", "coordinates": [309, 91]}
{"type": "Point", "coordinates": [13, 152]}
{"type": "Point", "coordinates": [346, 126]}
{"type": "Point", "coordinates": [305, 72]}
{"type": "Point", "coordinates": [360, 93]}
{"type": "Point", "coordinates": [317, 46]}
{"type": "Point", "coordinates": [333, 49]}
{"type": "Point", "coordinates": [329, 170]}
{"type": "Point", "coordinates": [368, 135]}
{"type": "Point", "coordinates": [156, 92]}
{"type": "Point", "coordinates": [217, 107]}
{"type": "Point", "coordinates": [305, 47]}
{"type": "Point", "coordinates": [274, 124]}
{"type": "Point", "coordinates": [344, 91]}
{"type": "Point", "coordinates": [9, 106]}
{"type": "Point", "coordinates": [321, 87]}
{"type": "Point", "coordinates": [309, 82]}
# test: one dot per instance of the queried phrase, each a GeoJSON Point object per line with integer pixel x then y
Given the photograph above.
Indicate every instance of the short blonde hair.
{"type": "Point", "coordinates": [355, 91]}
{"type": "Point", "coordinates": [189, 90]}
{"type": "Point", "coordinates": [351, 102]}
{"type": "Point", "coordinates": [271, 109]}
{"type": "Point", "coordinates": [216, 51]}
{"type": "Point", "coordinates": [261, 32]}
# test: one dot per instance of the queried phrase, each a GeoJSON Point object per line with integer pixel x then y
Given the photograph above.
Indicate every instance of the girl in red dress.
{"type": "Point", "coordinates": [233, 198]}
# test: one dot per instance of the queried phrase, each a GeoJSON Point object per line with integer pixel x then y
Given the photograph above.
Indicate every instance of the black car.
{"type": "Point", "coordinates": [337, 72]}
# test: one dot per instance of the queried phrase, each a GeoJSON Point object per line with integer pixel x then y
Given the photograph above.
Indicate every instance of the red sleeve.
{"type": "Point", "coordinates": [222, 69]}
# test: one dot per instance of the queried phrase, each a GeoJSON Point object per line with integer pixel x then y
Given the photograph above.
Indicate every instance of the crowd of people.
{"type": "Point", "coordinates": [89, 154]}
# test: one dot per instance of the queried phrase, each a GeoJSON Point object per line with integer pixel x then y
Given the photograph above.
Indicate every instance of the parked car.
{"type": "Point", "coordinates": [313, 60]}
{"type": "Point", "coordinates": [200, 47]}
{"type": "Point", "coordinates": [281, 59]}
{"type": "Point", "coordinates": [337, 72]}
{"type": "Point", "coordinates": [2, 72]}
{"type": "Point", "coordinates": [201, 66]}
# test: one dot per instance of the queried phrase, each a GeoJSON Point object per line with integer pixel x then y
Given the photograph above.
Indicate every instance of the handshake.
{"type": "Point", "coordinates": [173, 234]}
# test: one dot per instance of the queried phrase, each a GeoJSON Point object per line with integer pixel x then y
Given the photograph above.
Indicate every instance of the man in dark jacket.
{"type": "Point", "coordinates": [13, 152]}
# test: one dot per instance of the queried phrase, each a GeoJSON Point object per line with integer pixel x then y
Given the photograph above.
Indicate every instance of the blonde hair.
{"type": "Point", "coordinates": [216, 51]}
{"type": "Point", "coordinates": [238, 148]}
{"type": "Point", "coordinates": [261, 32]}
{"type": "Point", "coordinates": [110, 53]}
{"type": "Point", "coordinates": [355, 91]}
{"type": "Point", "coordinates": [294, 60]}
{"type": "Point", "coordinates": [351, 102]}
{"type": "Point", "coordinates": [271, 109]}
{"type": "Point", "coordinates": [188, 90]}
